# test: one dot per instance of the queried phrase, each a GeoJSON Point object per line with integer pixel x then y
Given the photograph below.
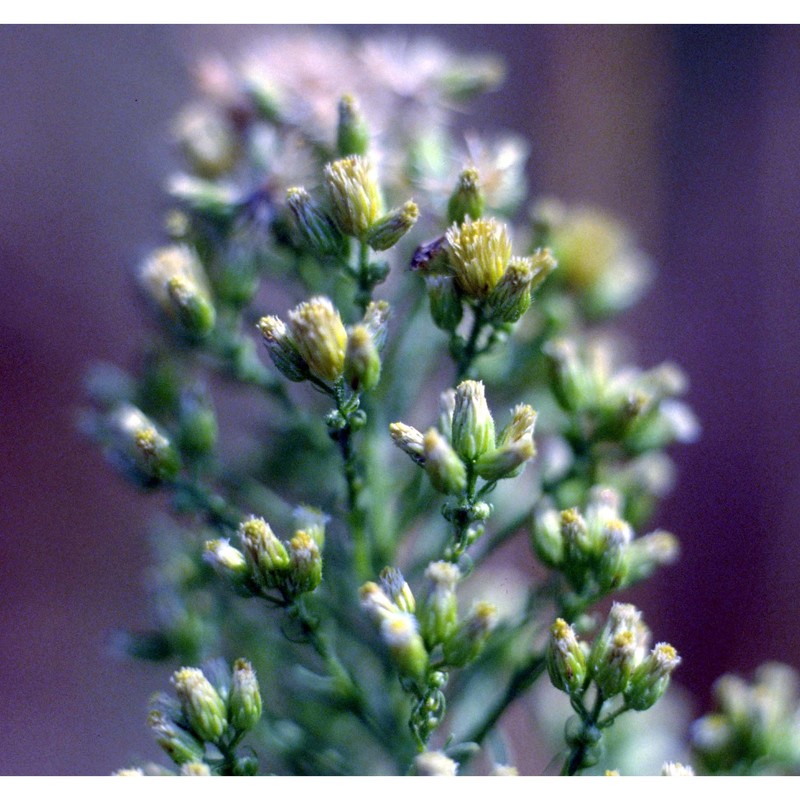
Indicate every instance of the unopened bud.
{"type": "Point", "coordinates": [506, 461]}
{"type": "Point", "coordinates": [313, 223]}
{"type": "Point", "coordinates": [469, 638]}
{"type": "Point", "coordinates": [313, 522]}
{"type": "Point", "coordinates": [190, 306]}
{"type": "Point", "coordinates": [376, 603]}
{"type": "Point", "coordinates": [175, 279]}
{"type": "Point", "coordinates": [305, 570]}
{"type": "Point", "coordinates": [320, 337]}
{"type": "Point", "coordinates": [656, 549]}
{"type": "Point", "coordinates": [445, 469]}
{"type": "Point", "coordinates": [376, 321]}
{"type": "Point", "coordinates": [473, 427]}
{"type": "Point", "coordinates": [566, 662]}
{"type": "Point", "coordinates": [392, 227]}
{"type": "Point", "coordinates": [439, 614]}
{"type": "Point", "coordinates": [651, 678]}
{"type": "Point", "coordinates": [228, 562]}
{"type": "Point", "coordinates": [282, 349]}
{"type": "Point", "coordinates": [511, 298]}
{"type": "Point", "coordinates": [352, 135]}
{"type": "Point", "coordinates": [467, 199]}
{"type": "Point", "coordinates": [265, 553]}
{"type": "Point", "coordinates": [548, 544]}
{"type": "Point", "coordinates": [244, 701]}
{"type": "Point", "coordinates": [445, 301]}
{"type": "Point", "coordinates": [612, 673]}
{"type": "Point", "coordinates": [362, 364]}
{"type": "Point", "coordinates": [612, 564]}
{"type": "Point", "coordinates": [409, 440]}
{"type": "Point", "coordinates": [180, 745]}
{"type": "Point", "coordinates": [397, 589]}
{"type": "Point", "coordinates": [399, 632]}
{"type": "Point", "coordinates": [202, 706]}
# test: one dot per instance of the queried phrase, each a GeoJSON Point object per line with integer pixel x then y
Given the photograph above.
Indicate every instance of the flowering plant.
{"type": "Point", "coordinates": [431, 387]}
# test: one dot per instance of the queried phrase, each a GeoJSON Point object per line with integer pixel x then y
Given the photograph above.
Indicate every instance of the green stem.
{"type": "Point", "coordinates": [468, 354]}
{"type": "Point", "coordinates": [365, 285]}
{"type": "Point", "coordinates": [344, 681]}
{"type": "Point", "coordinates": [574, 762]}
{"type": "Point", "coordinates": [356, 515]}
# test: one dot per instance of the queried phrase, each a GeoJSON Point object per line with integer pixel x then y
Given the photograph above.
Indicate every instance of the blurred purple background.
{"type": "Point", "coordinates": [690, 134]}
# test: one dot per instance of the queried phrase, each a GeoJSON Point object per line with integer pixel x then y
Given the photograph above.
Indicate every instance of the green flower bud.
{"type": "Point", "coordinates": [613, 671]}
{"type": "Point", "coordinates": [612, 563]}
{"type": "Point", "coordinates": [282, 349]}
{"type": "Point", "coordinates": [313, 223]}
{"type": "Point", "coordinates": [213, 200]}
{"type": "Point", "coordinates": [399, 632]}
{"type": "Point", "coordinates": [202, 706]}
{"type": "Point", "coordinates": [506, 461]}
{"type": "Point", "coordinates": [207, 139]}
{"type": "Point", "coordinates": [197, 435]}
{"type": "Point", "coordinates": [228, 562]}
{"type": "Point", "coordinates": [543, 264]}
{"type": "Point", "coordinates": [190, 307]}
{"type": "Point", "coordinates": [445, 301]}
{"type": "Point", "coordinates": [140, 447]}
{"type": "Point", "coordinates": [569, 380]}
{"type": "Point", "coordinates": [376, 603]}
{"type": "Point", "coordinates": [622, 618]}
{"type": "Point", "coordinates": [439, 614]}
{"type": "Point", "coordinates": [376, 319]}
{"type": "Point", "coordinates": [473, 427]}
{"type": "Point", "coordinates": [511, 298]}
{"type": "Point", "coordinates": [548, 543]}
{"type": "Point", "coordinates": [305, 571]}
{"type": "Point", "coordinates": [180, 745]}
{"type": "Point", "coordinates": [392, 227]}
{"type": "Point", "coordinates": [445, 469]}
{"type": "Point", "coordinates": [312, 521]}
{"type": "Point", "coordinates": [354, 194]}
{"type": "Point", "coordinates": [578, 544]}
{"type": "Point", "coordinates": [196, 769]}
{"type": "Point", "coordinates": [409, 440]}
{"type": "Point", "coordinates": [320, 337]}
{"type": "Point", "coordinates": [521, 426]}
{"type": "Point", "coordinates": [469, 638]}
{"type": "Point", "coordinates": [467, 199]}
{"type": "Point", "coordinates": [352, 135]}
{"type": "Point", "coordinates": [674, 769]}
{"type": "Point", "coordinates": [362, 364]}
{"type": "Point", "coordinates": [651, 678]}
{"type": "Point", "coordinates": [566, 662]}
{"type": "Point", "coordinates": [265, 554]}
{"type": "Point", "coordinates": [478, 253]}
{"type": "Point", "coordinates": [174, 278]}
{"type": "Point", "coordinates": [395, 587]}
{"type": "Point", "coordinates": [434, 764]}
{"type": "Point", "coordinates": [244, 701]}
{"type": "Point", "coordinates": [656, 549]}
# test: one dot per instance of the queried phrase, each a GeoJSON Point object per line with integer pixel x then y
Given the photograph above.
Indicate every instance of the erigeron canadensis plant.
{"type": "Point", "coordinates": [407, 297]}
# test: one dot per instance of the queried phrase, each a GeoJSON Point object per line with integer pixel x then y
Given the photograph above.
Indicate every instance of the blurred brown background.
{"type": "Point", "coordinates": [691, 134]}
